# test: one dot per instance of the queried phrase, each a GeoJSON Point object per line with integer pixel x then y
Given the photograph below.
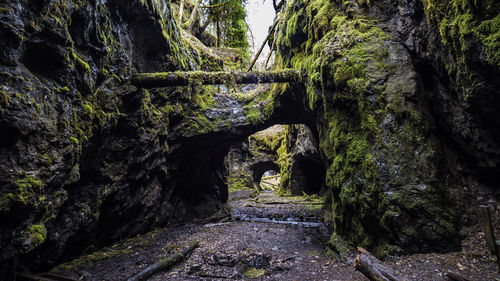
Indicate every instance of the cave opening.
{"type": "Point", "coordinates": [270, 180]}
{"type": "Point", "coordinates": [282, 158]}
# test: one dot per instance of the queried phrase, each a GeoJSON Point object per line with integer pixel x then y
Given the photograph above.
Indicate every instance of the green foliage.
{"type": "Point", "coordinates": [229, 16]}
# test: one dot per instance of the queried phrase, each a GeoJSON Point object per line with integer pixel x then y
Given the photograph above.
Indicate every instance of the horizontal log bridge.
{"type": "Point", "coordinates": [185, 78]}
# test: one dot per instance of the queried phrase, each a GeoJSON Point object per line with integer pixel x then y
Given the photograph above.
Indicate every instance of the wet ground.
{"type": "Point", "coordinates": [267, 238]}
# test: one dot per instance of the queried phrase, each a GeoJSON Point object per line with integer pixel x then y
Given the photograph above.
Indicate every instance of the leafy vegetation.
{"type": "Point", "coordinates": [228, 20]}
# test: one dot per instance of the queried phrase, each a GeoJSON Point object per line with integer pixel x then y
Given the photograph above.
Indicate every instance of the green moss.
{"type": "Point", "coordinates": [267, 141]}
{"type": "Point", "coordinates": [74, 140]}
{"type": "Point", "coordinates": [38, 234]}
{"type": "Point", "coordinates": [338, 246]}
{"type": "Point", "coordinates": [345, 59]}
{"type": "Point", "coordinates": [82, 64]}
{"type": "Point", "coordinates": [284, 162]}
{"type": "Point", "coordinates": [238, 179]}
{"type": "Point", "coordinates": [260, 106]}
{"type": "Point", "coordinates": [62, 90]}
{"type": "Point", "coordinates": [25, 191]}
{"type": "Point", "coordinates": [462, 26]}
{"type": "Point", "coordinates": [120, 249]}
{"type": "Point", "coordinates": [253, 272]}
{"type": "Point", "coordinates": [4, 98]}
{"type": "Point", "coordinates": [28, 181]}
{"type": "Point", "coordinates": [88, 109]}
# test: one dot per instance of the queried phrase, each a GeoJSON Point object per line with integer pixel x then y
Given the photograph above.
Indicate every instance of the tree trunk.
{"type": "Point", "coordinates": [181, 9]}
{"type": "Point", "coordinates": [169, 79]}
{"type": "Point", "coordinates": [217, 44]}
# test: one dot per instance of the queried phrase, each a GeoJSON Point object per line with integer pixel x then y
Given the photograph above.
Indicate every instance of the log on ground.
{"type": "Point", "coordinates": [372, 268]}
{"type": "Point", "coordinates": [185, 78]}
{"type": "Point", "coordinates": [165, 263]}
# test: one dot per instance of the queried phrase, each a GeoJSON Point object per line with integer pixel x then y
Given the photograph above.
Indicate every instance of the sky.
{"type": "Point", "coordinates": [260, 16]}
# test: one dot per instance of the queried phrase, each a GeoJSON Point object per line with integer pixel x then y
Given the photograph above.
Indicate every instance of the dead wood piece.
{"type": "Point", "coordinates": [170, 79]}
{"type": "Point", "coordinates": [270, 177]}
{"type": "Point", "coordinates": [57, 277]}
{"type": "Point", "coordinates": [372, 268]}
{"type": "Point", "coordinates": [23, 276]}
{"type": "Point", "coordinates": [455, 277]}
{"type": "Point", "coordinates": [488, 228]}
{"type": "Point", "coordinates": [207, 275]}
{"type": "Point", "coordinates": [489, 232]}
{"type": "Point", "coordinates": [165, 263]}
{"type": "Point", "coordinates": [269, 183]}
{"type": "Point", "coordinates": [286, 259]}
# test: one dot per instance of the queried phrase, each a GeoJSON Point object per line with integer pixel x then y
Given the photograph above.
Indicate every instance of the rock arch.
{"type": "Point", "coordinates": [260, 167]}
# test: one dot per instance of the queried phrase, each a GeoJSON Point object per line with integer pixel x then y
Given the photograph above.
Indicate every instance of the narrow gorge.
{"type": "Point", "coordinates": [129, 128]}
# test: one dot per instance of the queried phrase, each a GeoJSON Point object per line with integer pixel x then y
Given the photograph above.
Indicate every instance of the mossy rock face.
{"type": "Point", "coordinates": [80, 148]}
{"type": "Point", "coordinates": [375, 131]}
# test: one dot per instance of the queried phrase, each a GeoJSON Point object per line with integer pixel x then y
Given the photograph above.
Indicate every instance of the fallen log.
{"type": "Point", "coordinates": [372, 268]}
{"type": "Point", "coordinates": [165, 263]}
{"type": "Point", "coordinates": [24, 276]}
{"type": "Point", "coordinates": [186, 78]}
{"type": "Point", "coordinates": [455, 277]}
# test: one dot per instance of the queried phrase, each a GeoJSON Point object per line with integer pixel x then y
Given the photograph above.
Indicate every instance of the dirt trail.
{"type": "Point", "coordinates": [268, 238]}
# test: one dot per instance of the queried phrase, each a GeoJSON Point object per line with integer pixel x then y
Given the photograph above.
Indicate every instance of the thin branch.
{"type": "Point", "coordinates": [193, 15]}
{"type": "Point", "coordinates": [263, 44]}
{"type": "Point", "coordinates": [165, 263]}
{"type": "Point", "coordinates": [273, 44]}
{"type": "Point", "coordinates": [181, 9]}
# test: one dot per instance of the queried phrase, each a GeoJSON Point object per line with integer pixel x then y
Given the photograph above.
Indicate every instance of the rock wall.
{"type": "Point", "coordinates": [83, 154]}
{"type": "Point", "coordinates": [403, 94]}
